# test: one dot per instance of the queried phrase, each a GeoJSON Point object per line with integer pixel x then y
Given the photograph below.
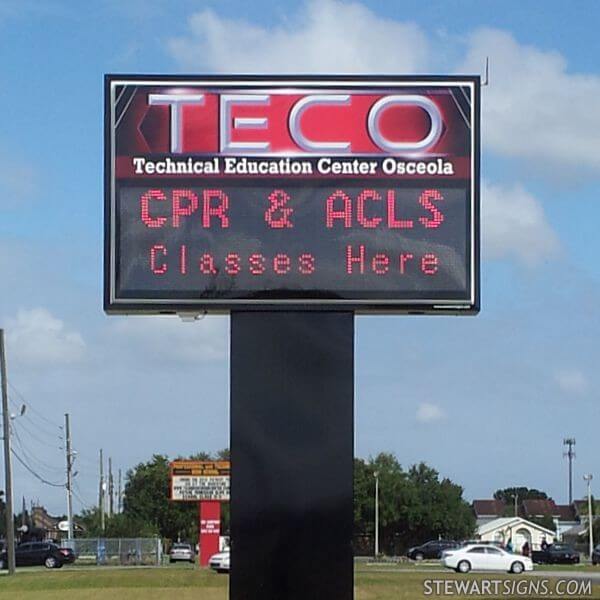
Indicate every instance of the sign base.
{"type": "Point", "coordinates": [292, 453]}
{"type": "Point", "coordinates": [209, 529]}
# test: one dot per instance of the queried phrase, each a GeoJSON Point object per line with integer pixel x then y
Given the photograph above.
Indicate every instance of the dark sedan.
{"type": "Point", "coordinates": [556, 554]}
{"type": "Point", "coordinates": [36, 554]}
{"type": "Point", "coordinates": [432, 549]}
{"type": "Point", "coordinates": [596, 556]}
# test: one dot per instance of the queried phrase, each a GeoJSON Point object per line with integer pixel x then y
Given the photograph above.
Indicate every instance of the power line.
{"type": "Point", "coordinates": [43, 429]}
{"type": "Point", "coordinates": [29, 455]}
{"type": "Point", "coordinates": [38, 440]}
{"type": "Point", "coordinates": [77, 493]}
{"type": "Point", "coordinates": [27, 415]}
{"type": "Point", "coordinates": [50, 483]}
{"type": "Point", "coordinates": [32, 408]}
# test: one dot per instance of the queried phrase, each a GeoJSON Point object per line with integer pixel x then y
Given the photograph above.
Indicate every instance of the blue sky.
{"type": "Point", "coordinates": [485, 400]}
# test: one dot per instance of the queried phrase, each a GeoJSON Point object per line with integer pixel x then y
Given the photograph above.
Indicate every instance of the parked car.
{"type": "Point", "coordinates": [432, 549]}
{"type": "Point", "coordinates": [556, 554]}
{"type": "Point", "coordinates": [485, 557]}
{"type": "Point", "coordinates": [220, 562]}
{"type": "Point", "coordinates": [181, 552]}
{"type": "Point", "coordinates": [596, 556]}
{"type": "Point", "coordinates": [68, 554]}
{"type": "Point", "coordinates": [36, 554]}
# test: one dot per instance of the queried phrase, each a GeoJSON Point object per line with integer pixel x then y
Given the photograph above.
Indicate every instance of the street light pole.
{"type": "Point", "coordinates": [589, 478]}
{"type": "Point", "coordinates": [8, 493]}
{"type": "Point", "coordinates": [376, 475]}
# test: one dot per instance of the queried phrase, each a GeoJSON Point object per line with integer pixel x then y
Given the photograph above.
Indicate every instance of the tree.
{"type": "Point", "coordinates": [146, 499]}
{"type": "Point", "coordinates": [441, 510]}
{"type": "Point", "coordinates": [507, 494]}
{"type": "Point", "coordinates": [545, 521]}
{"type": "Point", "coordinates": [118, 525]}
{"type": "Point", "coordinates": [413, 506]}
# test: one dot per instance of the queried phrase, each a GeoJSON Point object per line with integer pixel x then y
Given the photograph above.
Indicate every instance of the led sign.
{"type": "Point", "coordinates": [290, 192]}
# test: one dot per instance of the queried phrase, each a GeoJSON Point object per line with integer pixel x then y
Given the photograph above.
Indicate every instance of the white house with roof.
{"type": "Point", "coordinates": [516, 529]}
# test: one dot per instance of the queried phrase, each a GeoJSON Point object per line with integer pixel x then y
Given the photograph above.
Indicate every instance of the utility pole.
{"type": "Point", "coordinates": [8, 492]}
{"type": "Point", "coordinates": [119, 506]}
{"type": "Point", "coordinates": [101, 494]}
{"type": "Point", "coordinates": [570, 454]}
{"type": "Point", "coordinates": [69, 476]}
{"type": "Point", "coordinates": [111, 489]}
{"type": "Point", "coordinates": [588, 479]}
{"type": "Point", "coordinates": [376, 475]}
{"type": "Point", "coordinates": [516, 499]}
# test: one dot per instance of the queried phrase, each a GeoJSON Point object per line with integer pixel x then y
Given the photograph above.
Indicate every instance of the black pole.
{"type": "Point", "coordinates": [8, 491]}
{"type": "Point", "coordinates": [292, 450]}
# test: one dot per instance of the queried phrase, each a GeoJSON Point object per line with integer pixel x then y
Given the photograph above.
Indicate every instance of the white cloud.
{"type": "Point", "coordinates": [326, 36]}
{"type": "Point", "coordinates": [35, 337]}
{"type": "Point", "coordinates": [168, 339]}
{"type": "Point", "coordinates": [514, 225]}
{"type": "Point", "coordinates": [534, 108]}
{"type": "Point", "coordinates": [572, 381]}
{"type": "Point", "coordinates": [426, 413]}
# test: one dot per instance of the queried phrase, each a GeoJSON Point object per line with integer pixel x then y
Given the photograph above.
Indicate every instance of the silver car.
{"type": "Point", "coordinates": [181, 552]}
{"type": "Point", "coordinates": [220, 562]}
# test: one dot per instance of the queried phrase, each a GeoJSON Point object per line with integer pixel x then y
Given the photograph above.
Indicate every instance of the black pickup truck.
{"type": "Point", "coordinates": [556, 554]}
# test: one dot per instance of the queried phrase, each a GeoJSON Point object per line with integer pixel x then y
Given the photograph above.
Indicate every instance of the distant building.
{"type": "Point", "coordinates": [40, 519]}
{"type": "Point", "coordinates": [517, 530]}
{"type": "Point", "coordinates": [488, 510]}
{"type": "Point", "coordinates": [564, 516]}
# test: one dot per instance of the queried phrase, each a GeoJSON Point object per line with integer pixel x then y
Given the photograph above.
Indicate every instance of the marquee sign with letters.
{"type": "Point", "coordinates": [272, 192]}
{"type": "Point", "coordinates": [198, 480]}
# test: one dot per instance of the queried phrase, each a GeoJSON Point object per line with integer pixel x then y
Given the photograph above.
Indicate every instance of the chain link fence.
{"type": "Point", "coordinates": [117, 551]}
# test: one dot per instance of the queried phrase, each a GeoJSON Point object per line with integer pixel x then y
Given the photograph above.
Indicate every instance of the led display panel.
{"type": "Point", "coordinates": [227, 193]}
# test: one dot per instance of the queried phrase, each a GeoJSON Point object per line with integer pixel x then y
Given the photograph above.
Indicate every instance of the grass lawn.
{"type": "Point", "coordinates": [184, 583]}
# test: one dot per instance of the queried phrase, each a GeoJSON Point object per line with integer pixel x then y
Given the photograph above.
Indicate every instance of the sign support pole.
{"type": "Point", "coordinates": [292, 452]}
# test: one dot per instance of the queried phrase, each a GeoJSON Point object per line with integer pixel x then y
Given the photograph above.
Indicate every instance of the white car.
{"type": "Point", "coordinates": [181, 552]}
{"type": "Point", "coordinates": [220, 562]}
{"type": "Point", "coordinates": [480, 557]}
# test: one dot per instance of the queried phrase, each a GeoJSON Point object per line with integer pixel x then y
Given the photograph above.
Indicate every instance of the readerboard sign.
{"type": "Point", "coordinates": [195, 480]}
{"type": "Point", "coordinates": [344, 193]}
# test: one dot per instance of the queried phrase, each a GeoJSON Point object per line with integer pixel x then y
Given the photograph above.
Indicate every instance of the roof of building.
{"type": "Point", "coordinates": [566, 512]}
{"type": "Point", "coordinates": [577, 530]}
{"type": "Point", "coordinates": [511, 522]}
{"type": "Point", "coordinates": [540, 508]}
{"type": "Point", "coordinates": [489, 508]}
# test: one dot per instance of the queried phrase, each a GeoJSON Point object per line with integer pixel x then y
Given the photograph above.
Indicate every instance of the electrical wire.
{"type": "Point", "coordinates": [41, 429]}
{"type": "Point", "coordinates": [77, 493]}
{"type": "Point", "coordinates": [29, 454]}
{"type": "Point", "coordinates": [32, 408]}
{"type": "Point", "coordinates": [45, 481]}
{"type": "Point", "coordinates": [54, 446]}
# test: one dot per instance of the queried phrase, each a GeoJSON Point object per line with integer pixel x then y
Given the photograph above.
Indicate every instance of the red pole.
{"type": "Point", "coordinates": [209, 530]}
